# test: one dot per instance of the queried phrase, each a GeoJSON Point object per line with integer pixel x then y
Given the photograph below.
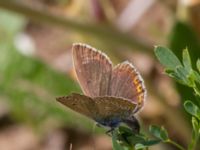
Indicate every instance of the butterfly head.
{"type": "Point", "coordinates": [133, 123]}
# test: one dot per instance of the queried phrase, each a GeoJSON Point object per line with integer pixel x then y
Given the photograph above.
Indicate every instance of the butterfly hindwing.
{"type": "Point", "coordinates": [114, 107]}
{"type": "Point", "coordinates": [93, 69]}
{"type": "Point", "coordinates": [127, 83]}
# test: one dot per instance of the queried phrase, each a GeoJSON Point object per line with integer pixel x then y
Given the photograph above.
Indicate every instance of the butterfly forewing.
{"type": "Point", "coordinates": [127, 83]}
{"type": "Point", "coordinates": [93, 69]}
{"type": "Point", "coordinates": [80, 103]}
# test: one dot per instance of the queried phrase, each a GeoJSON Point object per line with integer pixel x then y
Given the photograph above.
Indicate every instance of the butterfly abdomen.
{"type": "Point", "coordinates": [109, 122]}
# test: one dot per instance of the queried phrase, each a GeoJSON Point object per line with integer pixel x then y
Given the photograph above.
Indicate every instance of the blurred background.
{"type": "Point", "coordinates": [36, 66]}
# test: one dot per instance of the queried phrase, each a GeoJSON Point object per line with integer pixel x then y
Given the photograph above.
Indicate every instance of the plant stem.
{"type": "Point", "coordinates": [176, 144]}
{"type": "Point", "coordinates": [196, 140]}
{"type": "Point", "coordinates": [105, 33]}
{"type": "Point", "coordinates": [193, 143]}
{"type": "Point", "coordinates": [197, 92]}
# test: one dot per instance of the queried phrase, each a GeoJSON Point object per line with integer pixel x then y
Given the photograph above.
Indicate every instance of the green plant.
{"type": "Point", "coordinates": [186, 75]}
{"type": "Point", "coordinates": [124, 139]}
{"type": "Point", "coordinates": [182, 72]}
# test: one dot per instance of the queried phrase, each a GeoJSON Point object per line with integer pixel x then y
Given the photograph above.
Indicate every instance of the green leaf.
{"type": "Point", "coordinates": [173, 74]}
{"type": "Point", "coordinates": [166, 57]}
{"type": "Point", "coordinates": [146, 144]}
{"type": "Point", "coordinates": [116, 145]}
{"type": "Point", "coordinates": [126, 136]}
{"type": "Point", "coordinates": [186, 60]}
{"type": "Point", "coordinates": [182, 76]}
{"type": "Point", "coordinates": [192, 109]}
{"type": "Point", "coordinates": [197, 86]}
{"type": "Point", "coordinates": [198, 64]}
{"type": "Point", "coordinates": [196, 76]}
{"type": "Point", "coordinates": [140, 146]}
{"type": "Point", "coordinates": [125, 130]}
{"type": "Point", "coordinates": [169, 71]}
{"type": "Point", "coordinates": [133, 140]}
{"type": "Point", "coordinates": [155, 130]}
{"type": "Point", "coordinates": [177, 42]}
{"type": "Point", "coordinates": [195, 125]}
{"type": "Point", "coordinates": [159, 132]}
{"type": "Point", "coordinates": [164, 134]}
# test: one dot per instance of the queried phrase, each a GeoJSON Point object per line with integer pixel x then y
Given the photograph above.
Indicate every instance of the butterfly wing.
{"type": "Point", "coordinates": [127, 83]}
{"type": "Point", "coordinates": [93, 69]}
{"type": "Point", "coordinates": [109, 107]}
{"type": "Point", "coordinates": [99, 107]}
{"type": "Point", "coordinates": [80, 103]}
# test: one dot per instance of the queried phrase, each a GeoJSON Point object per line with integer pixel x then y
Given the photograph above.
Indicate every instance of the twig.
{"type": "Point", "coordinates": [176, 145]}
{"type": "Point", "coordinates": [106, 33]}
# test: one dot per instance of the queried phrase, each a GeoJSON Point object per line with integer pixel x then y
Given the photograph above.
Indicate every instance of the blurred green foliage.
{"type": "Point", "coordinates": [28, 85]}
{"type": "Point", "coordinates": [182, 36]}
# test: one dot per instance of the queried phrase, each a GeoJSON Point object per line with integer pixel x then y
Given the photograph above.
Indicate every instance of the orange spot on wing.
{"type": "Point", "coordinates": [136, 81]}
{"type": "Point", "coordinates": [139, 88]}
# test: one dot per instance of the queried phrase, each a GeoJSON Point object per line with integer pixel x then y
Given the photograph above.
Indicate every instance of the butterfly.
{"type": "Point", "coordinates": [112, 94]}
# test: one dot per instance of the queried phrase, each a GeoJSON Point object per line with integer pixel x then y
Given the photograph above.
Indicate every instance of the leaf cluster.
{"type": "Point", "coordinates": [182, 72]}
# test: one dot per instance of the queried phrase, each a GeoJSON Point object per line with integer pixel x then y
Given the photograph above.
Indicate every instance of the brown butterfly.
{"type": "Point", "coordinates": [112, 94]}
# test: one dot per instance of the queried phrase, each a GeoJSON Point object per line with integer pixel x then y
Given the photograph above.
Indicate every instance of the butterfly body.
{"type": "Point", "coordinates": [111, 122]}
{"type": "Point", "coordinates": [111, 94]}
